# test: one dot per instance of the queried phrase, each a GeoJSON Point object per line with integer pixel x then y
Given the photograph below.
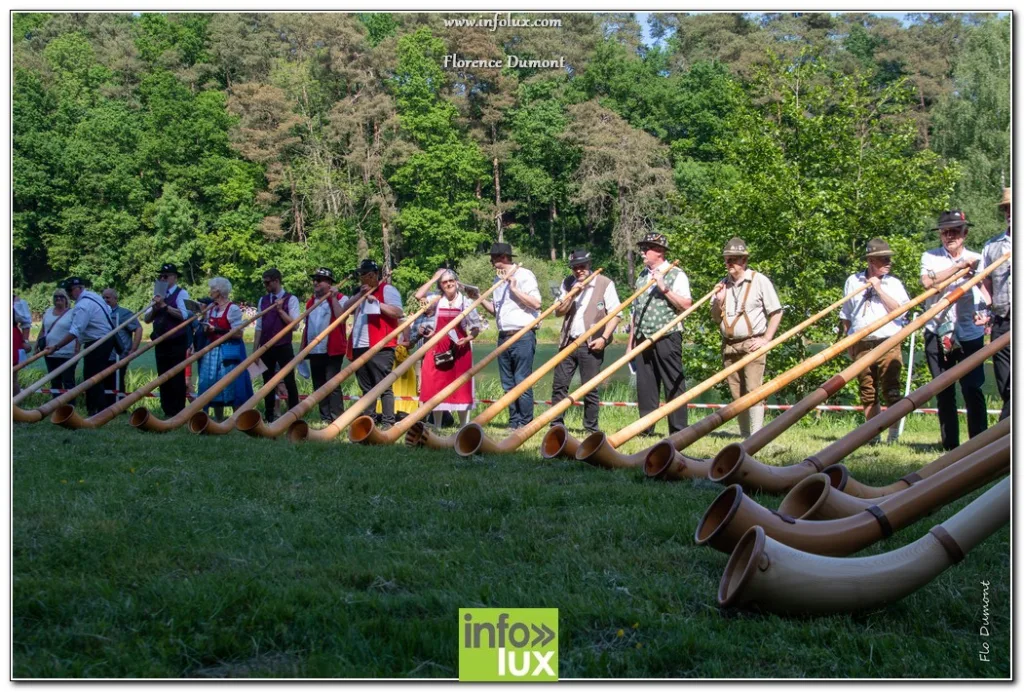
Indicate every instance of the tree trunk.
{"type": "Point", "coordinates": [629, 265]}
{"type": "Point", "coordinates": [497, 200]}
{"type": "Point", "coordinates": [552, 218]}
{"type": "Point", "coordinates": [529, 213]}
{"type": "Point", "coordinates": [386, 242]}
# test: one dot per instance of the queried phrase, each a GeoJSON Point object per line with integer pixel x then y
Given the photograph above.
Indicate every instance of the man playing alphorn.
{"type": "Point", "coordinates": [325, 359]}
{"type": "Point", "coordinates": [514, 305]}
{"type": "Point", "coordinates": [169, 311]}
{"type": "Point", "coordinates": [1000, 288]}
{"type": "Point", "coordinates": [660, 367]}
{"type": "Point", "coordinates": [748, 312]}
{"type": "Point", "coordinates": [590, 306]}
{"type": "Point", "coordinates": [267, 327]}
{"type": "Point", "coordinates": [882, 379]}
{"type": "Point", "coordinates": [957, 332]}
{"type": "Point", "coordinates": [376, 317]}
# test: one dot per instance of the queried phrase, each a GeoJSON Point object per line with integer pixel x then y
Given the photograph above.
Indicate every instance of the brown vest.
{"type": "Point", "coordinates": [595, 311]}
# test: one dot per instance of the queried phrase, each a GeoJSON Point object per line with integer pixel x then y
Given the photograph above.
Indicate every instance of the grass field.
{"type": "Point", "coordinates": [175, 555]}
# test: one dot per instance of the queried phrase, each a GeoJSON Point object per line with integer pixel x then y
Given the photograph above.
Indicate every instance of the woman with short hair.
{"type": "Point", "coordinates": [455, 351]}
{"type": "Point", "coordinates": [56, 323]}
{"type": "Point", "coordinates": [221, 319]}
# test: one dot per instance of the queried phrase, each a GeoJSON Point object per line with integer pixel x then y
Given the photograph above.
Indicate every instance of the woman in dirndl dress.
{"type": "Point", "coordinates": [433, 377]}
{"type": "Point", "coordinates": [221, 319]}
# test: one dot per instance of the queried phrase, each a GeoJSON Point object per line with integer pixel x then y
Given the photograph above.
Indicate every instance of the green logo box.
{"type": "Point", "coordinates": [508, 644]}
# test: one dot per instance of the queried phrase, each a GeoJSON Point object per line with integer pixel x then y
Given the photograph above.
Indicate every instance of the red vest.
{"type": "Point", "coordinates": [336, 342]}
{"type": "Point", "coordinates": [381, 325]}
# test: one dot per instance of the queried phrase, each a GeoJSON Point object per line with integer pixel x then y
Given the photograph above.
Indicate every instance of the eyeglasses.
{"type": "Point", "coordinates": [955, 231]}
{"type": "Point", "coordinates": [731, 259]}
{"type": "Point", "coordinates": [449, 283]}
{"type": "Point", "coordinates": [267, 282]}
{"type": "Point", "coordinates": [164, 277]}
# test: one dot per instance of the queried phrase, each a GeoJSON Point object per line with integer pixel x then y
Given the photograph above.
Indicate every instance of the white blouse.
{"type": "Point", "coordinates": [56, 332]}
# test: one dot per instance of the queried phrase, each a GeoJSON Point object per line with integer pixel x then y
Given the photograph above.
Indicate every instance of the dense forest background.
{"type": "Point", "coordinates": [227, 143]}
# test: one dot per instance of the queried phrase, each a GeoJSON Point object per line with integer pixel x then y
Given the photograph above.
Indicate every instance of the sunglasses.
{"type": "Point", "coordinates": [952, 231]}
{"type": "Point", "coordinates": [164, 277]}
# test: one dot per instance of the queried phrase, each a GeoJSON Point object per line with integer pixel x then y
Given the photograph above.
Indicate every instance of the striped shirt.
{"type": "Point", "coordinates": [1002, 276]}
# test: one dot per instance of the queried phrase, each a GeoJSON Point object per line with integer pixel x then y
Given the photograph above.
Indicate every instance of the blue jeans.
{"type": "Point", "coordinates": [515, 365]}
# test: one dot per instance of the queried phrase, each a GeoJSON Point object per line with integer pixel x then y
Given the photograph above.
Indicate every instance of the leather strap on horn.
{"type": "Point", "coordinates": [912, 478]}
{"type": "Point", "coordinates": [883, 521]}
{"type": "Point", "coordinates": [949, 543]}
{"type": "Point", "coordinates": [784, 517]}
{"type": "Point", "coordinates": [834, 384]}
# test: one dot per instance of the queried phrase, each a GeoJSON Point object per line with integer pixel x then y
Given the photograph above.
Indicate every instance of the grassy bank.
{"type": "Point", "coordinates": [138, 555]}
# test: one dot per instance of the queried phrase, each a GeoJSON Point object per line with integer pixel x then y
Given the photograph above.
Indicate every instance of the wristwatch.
{"type": "Point", "coordinates": [931, 274]}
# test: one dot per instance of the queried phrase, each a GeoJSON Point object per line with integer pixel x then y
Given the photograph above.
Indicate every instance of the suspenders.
{"type": "Point", "coordinates": [742, 307]}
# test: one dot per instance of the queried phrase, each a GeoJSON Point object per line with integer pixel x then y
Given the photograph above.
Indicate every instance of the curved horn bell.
{"type": "Point", "coordinates": [766, 574]}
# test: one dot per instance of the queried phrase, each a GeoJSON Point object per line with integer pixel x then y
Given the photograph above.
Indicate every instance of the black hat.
{"type": "Point", "coordinates": [877, 247]}
{"type": "Point", "coordinates": [953, 218]}
{"type": "Point", "coordinates": [73, 281]}
{"type": "Point", "coordinates": [368, 266]}
{"type": "Point", "coordinates": [323, 273]}
{"type": "Point", "coordinates": [579, 257]}
{"type": "Point", "coordinates": [168, 268]}
{"type": "Point", "coordinates": [501, 249]}
{"type": "Point", "coordinates": [655, 239]}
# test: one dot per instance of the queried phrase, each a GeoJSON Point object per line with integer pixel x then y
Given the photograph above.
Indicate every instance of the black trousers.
{"type": "Point", "coordinates": [275, 358]}
{"type": "Point", "coordinates": [589, 364]}
{"type": "Point", "coordinates": [65, 380]}
{"type": "Point", "coordinates": [1001, 363]}
{"type": "Point", "coordinates": [323, 367]}
{"type": "Point", "coordinates": [970, 387]}
{"type": "Point", "coordinates": [117, 382]}
{"type": "Point", "coordinates": [93, 364]}
{"type": "Point", "coordinates": [661, 367]}
{"type": "Point", "coordinates": [172, 392]}
{"type": "Point", "coordinates": [373, 372]}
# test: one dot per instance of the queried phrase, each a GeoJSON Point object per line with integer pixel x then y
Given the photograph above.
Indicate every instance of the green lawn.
{"type": "Point", "coordinates": [175, 555]}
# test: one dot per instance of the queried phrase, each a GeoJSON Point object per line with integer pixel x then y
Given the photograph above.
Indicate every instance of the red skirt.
{"type": "Point", "coordinates": [19, 343]}
{"type": "Point", "coordinates": [433, 380]}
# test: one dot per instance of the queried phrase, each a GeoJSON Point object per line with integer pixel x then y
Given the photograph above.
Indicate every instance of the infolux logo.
{"type": "Point", "coordinates": [508, 644]}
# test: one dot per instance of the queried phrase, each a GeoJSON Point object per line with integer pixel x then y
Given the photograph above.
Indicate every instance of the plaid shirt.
{"type": "Point", "coordinates": [1002, 280]}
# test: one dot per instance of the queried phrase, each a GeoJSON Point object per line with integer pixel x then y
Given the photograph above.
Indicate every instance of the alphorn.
{"type": "Point", "coordinates": [67, 417]}
{"type": "Point", "coordinates": [35, 415]}
{"type": "Point", "coordinates": [664, 459]}
{"type": "Point", "coordinates": [840, 478]}
{"type": "Point", "coordinates": [363, 429]}
{"type": "Point", "coordinates": [471, 439]}
{"type": "Point", "coordinates": [435, 442]}
{"type": "Point", "coordinates": [28, 361]}
{"type": "Point", "coordinates": [301, 431]}
{"type": "Point", "coordinates": [732, 512]}
{"type": "Point", "coordinates": [771, 576]}
{"type": "Point", "coordinates": [814, 498]}
{"type": "Point", "coordinates": [73, 361]}
{"type": "Point", "coordinates": [142, 419]}
{"type": "Point", "coordinates": [202, 424]}
{"type": "Point", "coordinates": [599, 449]}
{"type": "Point", "coordinates": [734, 463]}
{"type": "Point", "coordinates": [252, 423]}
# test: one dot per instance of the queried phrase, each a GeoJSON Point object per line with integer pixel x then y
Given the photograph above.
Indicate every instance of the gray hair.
{"type": "Point", "coordinates": [113, 292]}
{"type": "Point", "coordinates": [448, 273]}
{"type": "Point", "coordinates": [220, 285]}
{"type": "Point", "coordinates": [61, 293]}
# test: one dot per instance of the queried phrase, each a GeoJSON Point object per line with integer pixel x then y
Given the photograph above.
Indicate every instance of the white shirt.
{"type": "Point", "coordinates": [508, 313]}
{"type": "Point", "coordinates": [961, 313]}
{"type": "Point", "coordinates": [22, 313]}
{"type": "Point", "coordinates": [179, 303]}
{"type": "Point", "coordinates": [317, 320]}
{"type": "Point", "coordinates": [90, 318]}
{"type": "Point", "coordinates": [291, 307]}
{"type": "Point", "coordinates": [861, 310]}
{"type": "Point", "coordinates": [56, 328]}
{"type": "Point", "coordinates": [610, 300]}
{"type": "Point", "coordinates": [361, 324]}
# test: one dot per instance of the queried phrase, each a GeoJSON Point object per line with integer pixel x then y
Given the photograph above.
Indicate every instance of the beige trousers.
{"type": "Point", "coordinates": [744, 381]}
